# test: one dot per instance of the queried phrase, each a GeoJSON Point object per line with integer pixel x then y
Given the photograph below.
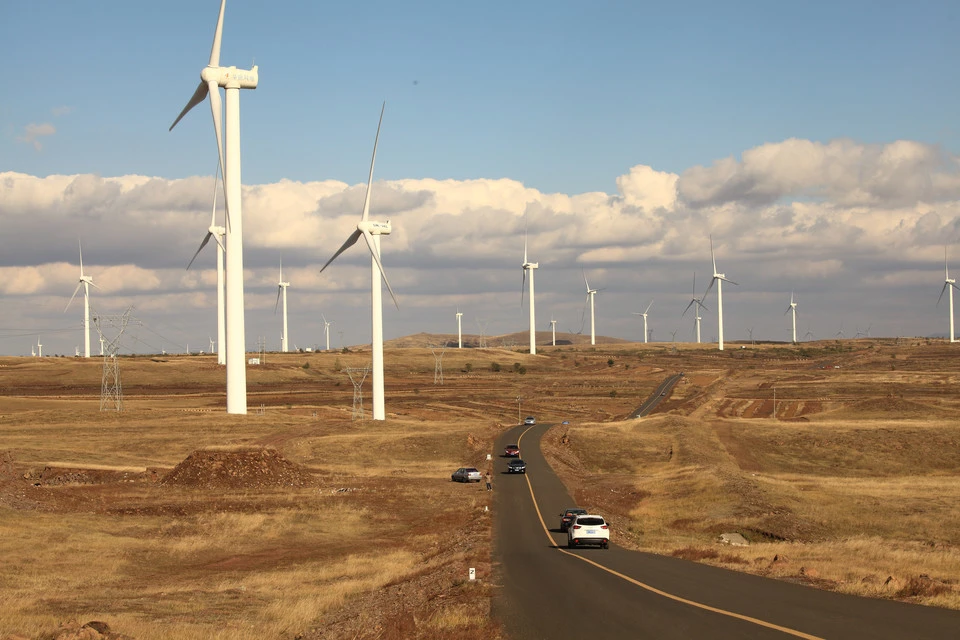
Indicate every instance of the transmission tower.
{"type": "Point", "coordinates": [357, 376]}
{"type": "Point", "coordinates": [438, 364]}
{"type": "Point", "coordinates": [482, 325]}
{"type": "Point", "coordinates": [111, 328]}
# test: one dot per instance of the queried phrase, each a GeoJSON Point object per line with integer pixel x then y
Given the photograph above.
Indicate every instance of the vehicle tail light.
{"type": "Point", "coordinates": [576, 526]}
{"type": "Point", "coordinates": [604, 527]}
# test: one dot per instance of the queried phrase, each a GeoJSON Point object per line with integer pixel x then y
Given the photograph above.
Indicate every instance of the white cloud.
{"type": "Point", "coordinates": [32, 133]}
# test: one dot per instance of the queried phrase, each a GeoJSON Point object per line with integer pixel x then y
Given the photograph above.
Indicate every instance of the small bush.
{"type": "Point", "coordinates": [337, 366]}
{"type": "Point", "coordinates": [613, 394]}
{"type": "Point", "coordinates": [468, 367]}
{"type": "Point", "coordinates": [516, 366]}
{"type": "Point", "coordinates": [522, 370]}
{"type": "Point", "coordinates": [495, 366]}
{"type": "Point", "coordinates": [306, 365]}
{"type": "Point", "coordinates": [610, 362]}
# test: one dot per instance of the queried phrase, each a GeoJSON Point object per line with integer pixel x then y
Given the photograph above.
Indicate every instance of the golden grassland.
{"type": "Point", "coordinates": [840, 462]}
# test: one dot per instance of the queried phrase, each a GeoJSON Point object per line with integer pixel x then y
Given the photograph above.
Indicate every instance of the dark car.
{"type": "Point", "coordinates": [568, 515]}
{"type": "Point", "coordinates": [516, 466]}
{"type": "Point", "coordinates": [511, 451]}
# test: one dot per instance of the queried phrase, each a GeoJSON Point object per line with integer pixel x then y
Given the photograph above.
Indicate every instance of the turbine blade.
{"type": "Point", "coordinates": [373, 159]}
{"type": "Point", "coordinates": [216, 182]}
{"type": "Point", "coordinates": [373, 252]}
{"type": "Point", "coordinates": [709, 287]}
{"type": "Point", "coordinates": [725, 279]}
{"type": "Point", "coordinates": [787, 311]}
{"type": "Point", "coordinates": [702, 306]}
{"type": "Point", "coordinates": [647, 310]}
{"type": "Point", "coordinates": [196, 99]}
{"type": "Point", "coordinates": [523, 284]}
{"type": "Point", "coordinates": [712, 256]}
{"type": "Point", "coordinates": [206, 239]}
{"type": "Point", "coordinates": [75, 291]}
{"type": "Point", "coordinates": [585, 281]}
{"type": "Point", "coordinates": [81, 257]}
{"type": "Point", "coordinates": [945, 285]}
{"type": "Point", "coordinates": [216, 110]}
{"type": "Point", "coordinates": [346, 245]}
{"type": "Point", "coordinates": [217, 35]}
{"type": "Point", "coordinates": [93, 285]}
{"type": "Point", "coordinates": [277, 306]}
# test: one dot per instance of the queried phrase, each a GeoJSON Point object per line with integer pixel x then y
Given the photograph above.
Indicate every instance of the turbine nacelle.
{"type": "Point", "coordinates": [230, 77]}
{"type": "Point", "coordinates": [374, 228]}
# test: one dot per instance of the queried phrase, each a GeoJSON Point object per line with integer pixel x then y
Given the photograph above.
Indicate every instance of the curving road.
{"type": "Point", "coordinates": [658, 394]}
{"type": "Point", "coordinates": [547, 591]}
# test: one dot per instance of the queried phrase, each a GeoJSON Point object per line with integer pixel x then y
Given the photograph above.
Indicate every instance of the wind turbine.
{"type": "Point", "coordinates": [212, 344]}
{"type": "Point", "coordinates": [553, 330]}
{"type": "Point", "coordinates": [949, 284]}
{"type": "Point", "coordinates": [644, 314]}
{"type": "Point", "coordinates": [808, 335]}
{"type": "Point", "coordinates": [792, 308]}
{"type": "Point", "coordinates": [371, 232]}
{"type": "Point", "coordinates": [217, 233]}
{"type": "Point", "coordinates": [529, 266]}
{"type": "Point", "coordinates": [282, 290]}
{"type": "Point", "coordinates": [212, 77]}
{"type": "Point", "coordinates": [86, 282]}
{"type": "Point", "coordinates": [590, 294]}
{"type": "Point", "coordinates": [719, 279]}
{"type": "Point", "coordinates": [33, 349]}
{"type": "Point", "coordinates": [696, 312]}
{"type": "Point", "coordinates": [39, 348]}
{"type": "Point", "coordinates": [459, 332]}
{"type": "Point", "coordinates": [326, 330]}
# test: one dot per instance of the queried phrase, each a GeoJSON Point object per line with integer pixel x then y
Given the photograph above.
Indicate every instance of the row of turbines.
{"type": "Point", "coordinates": [229, 237]}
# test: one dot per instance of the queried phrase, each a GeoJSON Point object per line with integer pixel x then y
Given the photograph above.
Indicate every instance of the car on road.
{"type": "Point", "coordinates": [588, 529]}
{"type": "Point", "coordinates": [663, 393]}
{"type": "Point", "coordinates": [466, 474]}
{"type": "Point", "coordinates": [511, 451]}
{"type": "Point", "coordinates": [516, 466]}
{"type": "Point", "coordinates": [568, 515]}
{"type": "Point", "coordinates": [529, 420]}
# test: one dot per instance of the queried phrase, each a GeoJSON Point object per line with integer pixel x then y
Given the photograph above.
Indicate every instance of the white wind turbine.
{"type": "Point", "coordinates": [212, 344]}
{"type": "Point", "coordinates": [86, 282]}
{"type": "Point", "coordinates": [39, 348]}
{"type": "Point", "coordinates": [696, 312]}
{"type": "Point", "coordinates": [326, 330]}
{"type": "Point", "coordinates": [644, 314]}
{"type": "Point", "coordinates": [590, 294]}
{"type": "Point", "coordinates": [949, 284]}
{"type": "Point", "coordinates": [33, 349]}
{"type": "Point", "coordinates": [459, 332]}
{"type": "Point", "coordinates": [792, 308]}
{"type": "Point", "coordinates": [529, 266]}
{"type": "Point", "coordinates": [371, 232]}
{"type": "Point", "coordinates": [217, 233]}
{"type": "Point", "coordinates": [718, 278]}
{"type": "Point", "coordinates": [282, 292]}
{"type": "Point", "coordinates": [212, 77]}
{"type": "Point", "coordinates": [553, 330]}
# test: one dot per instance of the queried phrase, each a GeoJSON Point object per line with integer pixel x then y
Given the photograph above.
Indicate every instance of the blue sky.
{"type": "Point", "coordinates": [818, 142]}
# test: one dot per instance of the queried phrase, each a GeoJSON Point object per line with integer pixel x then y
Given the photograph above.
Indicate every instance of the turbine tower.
{"type": "Point", "coordinates": [644, 314]}
{"type": "Point", "coordinates": [86, 282]}
{"type": "Point", "coordinates": [696, 312]}
{"type": "Point", "coordinates": [217, 233]}
{"type": "Point", "coordinates": [949, 284]}
{"type": "Point", "coordinates": [326, 330]}
{"type": "Point", "coordinates": [719, 279]}
{"type": "Point", "coordinates": [529, 266]}
{"type": "Point", "coordinates": [792, 308]}
{"type": "Point", "coordinates": [212, 77]}
{"type": "Point", "coordinates": [39, 348]}
{"type": "Point", "coordinates": [371, 232]}
{"type": "Point", "coordinates": [553, 330]}
{"type": "Point", "coordinates": [459, 332]}
{"type": "Point", "coordinates": [282, 292]}
{"type": "Point", "coordinates": [590, 294]}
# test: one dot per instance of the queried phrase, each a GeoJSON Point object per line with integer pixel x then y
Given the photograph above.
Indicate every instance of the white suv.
{"type": "Point", "coordinates": [588, 529]}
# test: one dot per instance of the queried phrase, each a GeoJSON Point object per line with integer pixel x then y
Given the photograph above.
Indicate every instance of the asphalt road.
{"type": "Point", "coordinates": [546, 591]}
{"type": "Point", "coordinates": [658, 394]}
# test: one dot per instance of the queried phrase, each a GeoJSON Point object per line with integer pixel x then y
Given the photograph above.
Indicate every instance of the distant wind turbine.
{"type": "Point", "coordinates": [696, 312]}
{"type": "Point", "coordinates": [644, 314]}
{"type": "Point", "coordinates": [949, 284]}
{"type": "Point", "coordinates": [86, 282]}
{"type": "Point", "coordinates": [39, 348]}
{"type": "Point", "coordinates": [719, 279]}
{"type": "Point", "coordinates": [371, 231]}
{"type": "Point", "coordinates": [553, 329]}
{"type": "Point", "coordinates": [792, 309]}
{"type": "Point", "coordinates": [459, 329]}
{"type": "Point", "coordinates": [531, 267]}
{"type": "Point", "coordinates": [282, 293]}
{"type": "Point", "coordinates": [590, 294]}
{"type": "Point", "coordinates": [218, 233]}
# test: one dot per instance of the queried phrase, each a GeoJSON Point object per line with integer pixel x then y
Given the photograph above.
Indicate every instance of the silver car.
{"type": "Point", "coordinates": [466, 474]}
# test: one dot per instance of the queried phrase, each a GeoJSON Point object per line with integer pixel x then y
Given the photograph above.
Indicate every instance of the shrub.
{"type": "Point", "coordinates": [306, 365]}
{"type": "Point", "coordinates": [613, 394]}
{"type": "Point", "coordinates": [516, 366]}
{"type": "Point", "coordinates": [495, 366]}
{"type": "Point", "coordinates": [610, 362]}
{"type": "Point", "coordinates": [468, 367]}
{"type": "Point", "coordinates": [522, 370]}
{"type": "Point", "coordinates": [337, 366]}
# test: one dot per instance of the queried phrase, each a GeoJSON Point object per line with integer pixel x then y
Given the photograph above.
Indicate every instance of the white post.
{"type": "Point", "coordinates": [459, 333]}
{"type": "Point", "coordinates": [235, 330]}
{"type": "Point", "coordinates": [645, 328]}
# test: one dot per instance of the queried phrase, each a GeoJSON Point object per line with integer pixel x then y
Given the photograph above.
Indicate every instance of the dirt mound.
{"type": "Point", "coordinates": [248, 468]}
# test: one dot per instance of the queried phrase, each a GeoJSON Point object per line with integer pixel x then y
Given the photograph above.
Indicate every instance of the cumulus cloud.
{"type": "Point", "coordinates": [828, 220]}
{"type": "Point", "coordinates": [33, 133]}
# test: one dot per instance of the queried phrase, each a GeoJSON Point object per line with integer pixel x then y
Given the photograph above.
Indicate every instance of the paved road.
{"type": "Point", "coordinates": [547, 590]}
{"type": "Point", "coordinates": [658, 394]}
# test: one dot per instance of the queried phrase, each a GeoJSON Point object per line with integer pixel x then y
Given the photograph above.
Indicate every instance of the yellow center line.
{"type": "Point", "coordinates": [652, 589]}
